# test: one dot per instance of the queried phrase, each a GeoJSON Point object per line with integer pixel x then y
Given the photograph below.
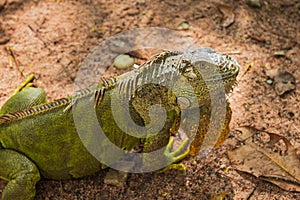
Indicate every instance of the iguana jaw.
{"type": "Point", "coordinates": [229, 76]}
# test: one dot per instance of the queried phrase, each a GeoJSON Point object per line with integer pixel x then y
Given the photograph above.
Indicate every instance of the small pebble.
{"type": "Point", "coordinates": [279, 53]}
{"type": "Point", "coordinates": [123, 61]}
{"type": "Point", "coordinates": [269, 81]}
{"type": "Point", "coordinates": [254, 3]}
{"type": "Point", "coordinates": [183, 25]}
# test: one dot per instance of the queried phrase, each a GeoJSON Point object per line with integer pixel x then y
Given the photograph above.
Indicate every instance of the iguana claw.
{"type": "Point", "coordinates": [180, 153]}
{"type": "Point", "coordinates": [27, 83]}
{"type": "Point", "coordinates": [176, 156]}
{"type": "Point", "coordinates": [179, 166]}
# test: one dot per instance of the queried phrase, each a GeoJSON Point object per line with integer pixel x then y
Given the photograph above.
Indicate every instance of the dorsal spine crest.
{"type": "Point", "coordinates": [33, 111]}
{"type": "Point", "coordinates": [68, 102]}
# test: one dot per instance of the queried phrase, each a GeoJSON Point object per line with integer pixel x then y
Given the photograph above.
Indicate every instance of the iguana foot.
{"type": "Point", "coordinates": [25, 84]}
{"type": "Point", "coordinates": [179, 167]}
{"type": "Point", "coordinates": [180, 153]}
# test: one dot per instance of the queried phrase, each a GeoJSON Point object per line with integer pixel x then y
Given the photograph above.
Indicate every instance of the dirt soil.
{"type": "Point", "coordinates": [51, 39]}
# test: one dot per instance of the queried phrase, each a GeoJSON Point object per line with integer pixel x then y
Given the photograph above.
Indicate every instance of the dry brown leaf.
{"type": "Point", "coordinates": [228, 15]}
{"type": "Point", "coordinates": [268, 156]}
{"type": "Point", "coordinates": [284, 184]}
{"type": "Point", "coordinates": [283, 80]}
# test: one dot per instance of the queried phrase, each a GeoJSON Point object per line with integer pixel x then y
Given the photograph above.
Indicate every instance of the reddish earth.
{"type": "Point", "coordinates": [51, 39]}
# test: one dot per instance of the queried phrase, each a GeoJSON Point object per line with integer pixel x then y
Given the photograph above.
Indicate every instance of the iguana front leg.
{"type": "Point", "coordinates": [145, 98]}
{"type": "Point", "coordinates": [21, 173]}
{"type": "Point", "coordinates": [170, 158]}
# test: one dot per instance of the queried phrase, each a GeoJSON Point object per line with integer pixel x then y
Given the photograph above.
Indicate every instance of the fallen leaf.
{"type": "Point", "coordinates": [257, 38]}
{"type": "Point", "coordinates": [271, 73]}
{"type": "Point", "coordinates": [4, 38]}
{"type": "Point", "coordinates": [267, 156]}
{"type": "Point", "coordinates": [283, 80]}
{"type": "Point", "coordinates": [228, 15]}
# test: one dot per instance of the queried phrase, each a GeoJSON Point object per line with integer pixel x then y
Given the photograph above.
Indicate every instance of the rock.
{"type": "Point", "coordinates": [123, 61]}
{"type": "Point", "coordinates": [135, 66]}
{"type": "Point", "coordinates": [228, 15]}
{"type": "Point", "coordinates": [254, 3]}
{"type": "Point", "coordinates": [270, 81]}
{"type": "Point", "coordinates": [119, 178]}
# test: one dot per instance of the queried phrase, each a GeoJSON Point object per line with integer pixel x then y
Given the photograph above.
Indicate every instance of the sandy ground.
{"type": "Point", "coordinates": [51, 39]}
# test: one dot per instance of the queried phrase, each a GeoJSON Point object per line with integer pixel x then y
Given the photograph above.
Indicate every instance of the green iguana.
{"type": "Point", "coordinates": [40, 139]}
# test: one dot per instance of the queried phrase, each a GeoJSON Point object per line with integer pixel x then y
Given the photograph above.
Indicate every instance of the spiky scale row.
{"type": "Point", "coordinates": [68, 102]}
{"type": "Point", "coordinates": [106, 85]}
{"type": "Point", "coordinates": [34, 110]}
{"type": "Point", "coordinates": [161, 69]}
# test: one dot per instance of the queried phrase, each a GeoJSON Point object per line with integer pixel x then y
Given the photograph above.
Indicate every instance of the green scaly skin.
{"type": "Point", "coordinates": [39, 139]}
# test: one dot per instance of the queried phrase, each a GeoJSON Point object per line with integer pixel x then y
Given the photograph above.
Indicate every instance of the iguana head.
{"type": "Point", "coordinates": [205, 71]}
{"type": "Point", "coordinates": [199, 68]}
{"type": "Point", "coordinates": [191, 76]}
{"type": "Point", "coordinates": [212, 66]}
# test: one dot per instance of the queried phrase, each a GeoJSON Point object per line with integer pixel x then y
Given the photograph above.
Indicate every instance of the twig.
{"type": "Point", "coordinates": [37, 34]}
{"type": "Point", "coordinates": [11, 53]}
{"type": "Point", "coordinates": [296, 128]}
{"type": "Point", "coordinates": [259, 39]}
{"type": "Point", "coordinates": [251, 194]}
{"type": "Point", "coordinates": [232, 52]}
{"type": "Point", "coordinates": [246, 70]}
